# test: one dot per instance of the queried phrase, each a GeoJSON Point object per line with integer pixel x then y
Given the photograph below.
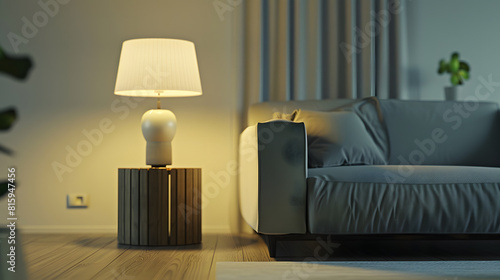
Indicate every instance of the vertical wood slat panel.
{"type": "Point", "coordinates": [189, 206]}
{"type": "Point", "coordinates": [159, 213]}
{"type": "Point", "coordinates": [163, 207]}
{"type": "Point", "coordinates": [127, 208]}
{"type": "Point", "coordinates": [143, 207]}
{"type": "Point", "coordinates": [143, 216]}
{"type": "Point", "coordinates": [198, 187]}
{"type": "Point", "coordinates": [196, 207]}
{"type": "Point", "coordinates": [134, 197]}
{"type": "Point", "coordinates": [173, 207]}
{"type": "Point", "coordinates": [181, 207]}
{"type": "Point", "coordinates": [153, 207]}
{"type": "Point", "coordinates": [121, 206]}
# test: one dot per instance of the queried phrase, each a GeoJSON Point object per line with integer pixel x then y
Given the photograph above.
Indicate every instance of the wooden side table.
{"type": "Point", "coordinates": [159, 206]}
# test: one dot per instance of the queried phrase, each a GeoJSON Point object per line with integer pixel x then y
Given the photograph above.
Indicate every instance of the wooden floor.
{"type": "Point", "coordinates": [71, 256]}
{"type": "Point", "coordinates": [67, 256]}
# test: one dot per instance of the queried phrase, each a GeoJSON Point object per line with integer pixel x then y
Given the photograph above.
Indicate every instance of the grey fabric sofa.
{"type": "Point", "coordinates": [441, 171]}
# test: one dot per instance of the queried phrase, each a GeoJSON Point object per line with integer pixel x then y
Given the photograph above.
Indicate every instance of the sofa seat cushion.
{"type": "Point", "coordinates": [409, 174]}
{"type": "Point", "coordinates": [432, 200]}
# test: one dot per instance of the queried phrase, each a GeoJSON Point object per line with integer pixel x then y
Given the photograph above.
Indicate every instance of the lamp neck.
{"type": "Point", "coordinates": [158, 102]}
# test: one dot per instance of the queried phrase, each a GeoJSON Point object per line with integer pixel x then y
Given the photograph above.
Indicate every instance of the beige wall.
{"type": "Point", "coordinates": [70, 90]}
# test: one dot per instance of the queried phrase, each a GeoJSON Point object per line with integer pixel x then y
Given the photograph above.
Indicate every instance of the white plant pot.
{"type": "Point", "coordinates": [21, 271]}
{"type": "Point", "coordinates": [452, 93]}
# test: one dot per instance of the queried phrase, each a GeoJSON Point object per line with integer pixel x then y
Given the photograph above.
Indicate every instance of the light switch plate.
{"type": "Point", "coordinates": [77, 200]}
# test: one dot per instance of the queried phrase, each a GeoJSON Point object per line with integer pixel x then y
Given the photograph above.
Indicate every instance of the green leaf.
{"type": "Point", "coordinates": [455, 79]}
{"type": "Point", "coordinates": [464, 74]}
{"type": "Point", "coordinates": [4, 186]}
{"type": "Point", "coordinates": [448, 68]}
{"type": "Point", "coordinates": [7, 118]}
{"type": "Point", "coordinates": [5, 150]}
{"type": "Point", "coordinates": [454, 55]}
{"type": "Point", "coordinates": [464, 66]}
{"type": "Point", "coordinates": [442, 66]}
{"type": "Point", "coordinates": [454, 65]}
{"type": "Point", "coordinates": [17, 67]}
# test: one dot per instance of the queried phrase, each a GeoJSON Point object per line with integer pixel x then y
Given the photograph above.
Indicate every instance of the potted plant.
{"type": "Point", "coordinates": [16, 67]}
{"type": "Point", "coordinates": [12, 265]}
{"type": "Point", "coordinates": [458, 70]}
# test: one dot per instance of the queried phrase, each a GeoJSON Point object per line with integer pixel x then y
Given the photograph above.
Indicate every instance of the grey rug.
{"type": "Point", "coordinates": [443, 270]}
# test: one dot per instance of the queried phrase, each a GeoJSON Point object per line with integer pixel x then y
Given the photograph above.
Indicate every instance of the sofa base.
{"type": "Point", "coordinates": [330, 242]}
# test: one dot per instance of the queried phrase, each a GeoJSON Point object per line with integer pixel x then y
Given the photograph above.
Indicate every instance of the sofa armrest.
{"type": "Point", "coordinates": [272, 177]}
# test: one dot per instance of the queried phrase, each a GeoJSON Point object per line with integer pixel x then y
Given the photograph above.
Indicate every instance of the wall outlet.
{"type": "Point", "coordinates": [77, 200]}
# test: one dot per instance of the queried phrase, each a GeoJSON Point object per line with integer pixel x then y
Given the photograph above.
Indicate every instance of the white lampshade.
{"type": "Point", "coordinates": [158, 68]}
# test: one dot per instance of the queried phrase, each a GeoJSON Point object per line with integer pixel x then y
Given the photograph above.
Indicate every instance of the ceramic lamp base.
{"type": "Point", "coordinates": [159, 154]}
{"type": "Point", "coordinates": [158, 128]}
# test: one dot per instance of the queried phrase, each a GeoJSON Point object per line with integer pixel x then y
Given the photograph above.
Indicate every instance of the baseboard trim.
{"type": "Point", "coordinates": [215, 229]}
{"type": "Point", "coordinates": [68, 229]}
{"type": "Point", "coordinates": [99, 229]}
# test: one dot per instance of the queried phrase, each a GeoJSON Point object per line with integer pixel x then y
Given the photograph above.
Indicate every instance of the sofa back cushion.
{"type": "Point", "coordinates": [442, 132]}
{"type": "Point", "coordinates": [264, 111]}
{"type": "Point", "coordinates": [338, 138]}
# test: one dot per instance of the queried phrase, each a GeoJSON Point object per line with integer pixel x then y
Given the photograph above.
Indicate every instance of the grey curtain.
{"type": "Point", "coordinates": [322, 49]}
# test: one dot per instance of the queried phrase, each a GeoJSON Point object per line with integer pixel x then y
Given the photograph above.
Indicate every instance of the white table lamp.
{"type": "Point", "coordinates": [158, 68]}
